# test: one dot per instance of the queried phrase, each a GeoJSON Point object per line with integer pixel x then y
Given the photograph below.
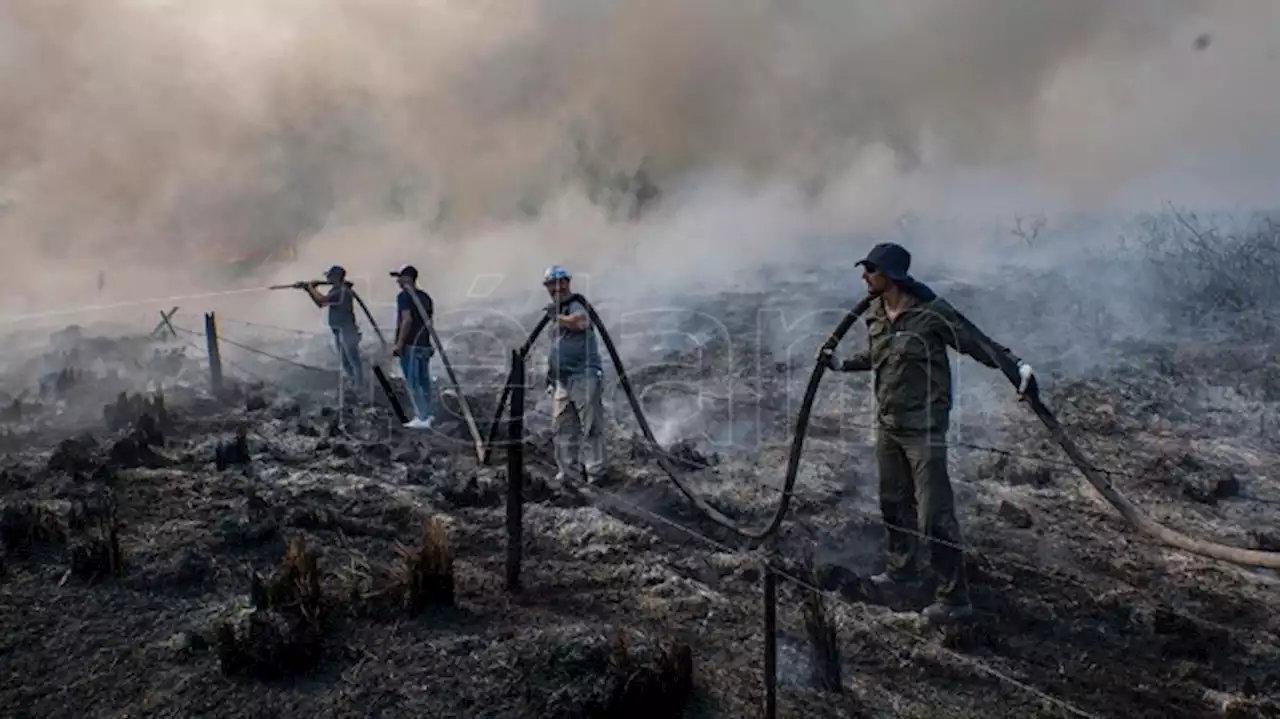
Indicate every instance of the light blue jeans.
{"type": "Point", "coordinates": [415, 365]}
{"type": "Point", "coordinates": [348, 341]}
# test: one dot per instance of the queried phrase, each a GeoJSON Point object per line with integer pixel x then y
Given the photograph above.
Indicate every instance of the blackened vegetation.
{"type": "Point", "coordinates": [60, 382]}
{"type": "Point", "coordinates": [283, 634]}
{"type": "Point", "coordinates": [15, 410]}
{"type": "Point", "coordinates": [428, 569]}
{"type": "Point", "coordinates": [131, 410]}
{"type": "Point", "coordinates": [824, 645]}
{"type": "Point", "coordinates": [683, 452]}
{"type": "Point", "coordinates": [628, 676]}
{"type": "Point", "coordinates": [1205, 273]}
{"type": "Point", "coordinates": [233, 453]}
{"type": "Point", "coordinates": [24, 526]}
{"type": "Point", "coordinates": [323, 518]}
{"type": "Point", "coordinates": [98, 555]}
{"type": "Point", "coordinates": [146, 421]}
{"type": "Point", "coordinates": [89, 531]}
{"type": "Point", "coordinates": [75, 456]}
{"type": "Point", "coordinates": [643, 684]}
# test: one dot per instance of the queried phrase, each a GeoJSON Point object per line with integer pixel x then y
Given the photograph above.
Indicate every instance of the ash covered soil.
{"type": "Point", "coordinates": [265, 554]}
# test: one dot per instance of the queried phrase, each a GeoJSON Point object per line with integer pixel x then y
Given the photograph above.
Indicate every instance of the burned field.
{"type": "Point", "coordinates": [267, 554]}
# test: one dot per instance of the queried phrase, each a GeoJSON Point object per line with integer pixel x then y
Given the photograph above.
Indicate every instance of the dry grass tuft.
{"type": "Point", "coordinates": [428, 569]}
{"type": "Point", "coordinates": [284, 634]}
{"type": "Point", "coordinates": [295, 585]}
{"type": "Point", "coordinates": [659, 687]}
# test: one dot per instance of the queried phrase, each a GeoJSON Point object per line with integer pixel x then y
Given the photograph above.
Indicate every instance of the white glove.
{"type": "Point", "coordinates": [827, 357]}
{"type": "Point", "coordinates": [1025, 377]}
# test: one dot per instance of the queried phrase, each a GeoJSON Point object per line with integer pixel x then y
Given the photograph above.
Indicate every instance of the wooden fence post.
{"type": "Point", "coordinates": [770, 641]}
{"type": "Point", "coordinates": [515, 473]}
{"type": "Point", "coordinates": [215, 357]}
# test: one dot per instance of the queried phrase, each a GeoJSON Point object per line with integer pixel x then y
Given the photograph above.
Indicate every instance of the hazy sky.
{"type": "Point", "coordinates": [169, 133]}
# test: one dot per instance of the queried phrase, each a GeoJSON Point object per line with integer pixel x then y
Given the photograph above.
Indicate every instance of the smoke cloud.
{"type": "Point", "coordinates": [160, 140]}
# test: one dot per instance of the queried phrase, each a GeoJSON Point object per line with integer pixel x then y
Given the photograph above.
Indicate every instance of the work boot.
{"type": "Point", "coordinates": [947, 612]}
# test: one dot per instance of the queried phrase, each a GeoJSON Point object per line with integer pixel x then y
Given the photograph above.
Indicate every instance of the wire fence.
{"type": "Point", "coordinates": [596, 494]}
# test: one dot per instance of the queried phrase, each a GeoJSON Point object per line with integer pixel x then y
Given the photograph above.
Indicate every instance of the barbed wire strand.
{"type": "Point", "coordinates": [762, 484]}
{"type": "Point", "coordinates": [253, 376]}
{"type": "Point", "coordinates": [255, 350]}
{"type": "Point", "coordinates": [259, 325]}
{"type": "Point", "coordinates": [975, 663]}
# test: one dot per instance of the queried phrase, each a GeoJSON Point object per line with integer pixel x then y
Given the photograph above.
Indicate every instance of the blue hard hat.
{"type": "Point", "coordinates": [335, 270]}
{"type": "Point", "coordinates": [555, 272]}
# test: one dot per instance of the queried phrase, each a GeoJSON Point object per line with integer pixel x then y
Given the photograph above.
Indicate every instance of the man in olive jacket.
{"type": "Point", "coordinates": [910, 329]}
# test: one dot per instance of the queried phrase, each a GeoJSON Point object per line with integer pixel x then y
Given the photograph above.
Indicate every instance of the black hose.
{"type": "Point", "coordinates": [797, 442]}
{"type": "Point", "coordinates": [1128, 510]}
{"type": "Point", "coordinates": [369, 315]}
{"type": "Point", "coordinates": [1136, 517]}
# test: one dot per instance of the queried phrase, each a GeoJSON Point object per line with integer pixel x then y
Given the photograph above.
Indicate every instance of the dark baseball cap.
{"type": "Point", "coordinates": [889, 259]}
{"type": "Point", "coordinates": [335, 270]}
{"type": "Point", "coordinates": [406, 271]}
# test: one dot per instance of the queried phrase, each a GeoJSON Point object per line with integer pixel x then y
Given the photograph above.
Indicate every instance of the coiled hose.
{"type": "Point", "coordinates": [1131, 513]}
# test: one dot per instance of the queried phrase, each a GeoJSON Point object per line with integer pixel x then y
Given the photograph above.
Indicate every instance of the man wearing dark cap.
{"type": "Point", "coordinates": [414, 312]}
{"type": "Point", "coordinates": [910, 329]}
{"type": "Point", "coordinates": [342, 319]}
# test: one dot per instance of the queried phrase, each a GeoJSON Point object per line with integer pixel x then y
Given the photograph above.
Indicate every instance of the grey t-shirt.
{"type": "Point", "coordinates": [342, 310]}
{"type": "Point", "coordinates": [573, 353]}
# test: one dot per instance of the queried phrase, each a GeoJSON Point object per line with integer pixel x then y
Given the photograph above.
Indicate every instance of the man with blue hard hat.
{"type": "Point", "coordinates": [909, 330]}
{"type": "Point", "coordinates": [342, 318]}
{"type": "Point", "coordinates": [574, 376]}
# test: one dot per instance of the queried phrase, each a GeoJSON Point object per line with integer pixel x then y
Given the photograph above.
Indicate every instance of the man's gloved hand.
{"type": "Point", "coordinates": [827, 358]}
{"type": "Point", "coordinates": [1027, 386]}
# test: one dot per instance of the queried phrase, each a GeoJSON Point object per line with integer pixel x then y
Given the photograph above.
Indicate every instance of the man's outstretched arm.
{"type": "Point", "coordinates": [967, 339]}
{"type": "Point", "coordinates": [320, 300]}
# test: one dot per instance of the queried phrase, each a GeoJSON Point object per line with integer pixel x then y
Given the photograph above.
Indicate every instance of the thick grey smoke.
{"type": "Point", "coordinates": [159, 139]}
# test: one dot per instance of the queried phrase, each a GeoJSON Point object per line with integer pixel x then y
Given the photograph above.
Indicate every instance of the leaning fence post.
{"type": "Point", "coordinates": [770, 641]}
{"type": "Point", "coordinates": [215, 357]}
{"type": "Point", "coordinates": [515, 473]}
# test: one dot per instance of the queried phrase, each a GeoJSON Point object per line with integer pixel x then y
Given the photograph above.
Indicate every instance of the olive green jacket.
{"type": "Point", "coordinates": [909, 357]}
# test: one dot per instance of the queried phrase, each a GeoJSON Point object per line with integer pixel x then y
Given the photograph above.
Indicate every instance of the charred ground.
{"type": "Point", "coordinates": [264, 554]}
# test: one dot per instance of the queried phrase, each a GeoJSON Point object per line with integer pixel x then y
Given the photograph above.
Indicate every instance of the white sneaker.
{"type": "Point", "coordinates": [427, 423]}
{"type": "Point", "coordinates": [411, 424]}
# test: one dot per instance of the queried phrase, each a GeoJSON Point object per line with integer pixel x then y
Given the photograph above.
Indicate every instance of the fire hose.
{"type": "Point", "coordinates": [1131, 513]}
{"type": "Point", "coordinates": [382, 377]}
{"type": "Point", "coordinates": [661, 455]}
